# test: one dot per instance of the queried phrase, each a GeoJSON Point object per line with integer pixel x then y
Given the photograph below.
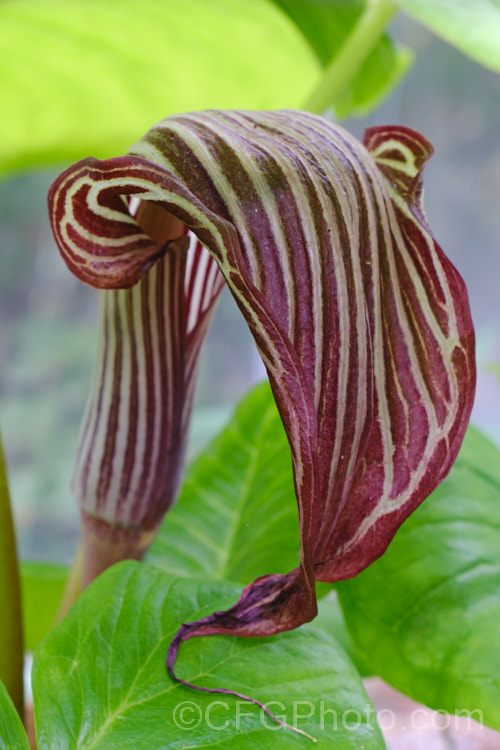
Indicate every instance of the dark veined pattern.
{"type": "Point", "coordinates": [362, 322]}
{"type": "Point", "coordinates": [131, 447]}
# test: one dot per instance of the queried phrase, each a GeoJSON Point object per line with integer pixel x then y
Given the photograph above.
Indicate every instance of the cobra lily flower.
{"type": "Point", "coordinates": [362, 323]}
{"type": "Point", "coordinates": [131, 446]}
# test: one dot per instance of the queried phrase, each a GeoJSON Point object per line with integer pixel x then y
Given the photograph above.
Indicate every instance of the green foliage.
{"type": "Point", "coordinates": [11, 640]}
{"type": "Point", "coordinates": [327, 24]}
{"type": "Point", "coordinates": [90, 76]}
{"type": "Point", "coordinates": [99, 678]}
{"type": "Point", "coordinates": [426, 616]}
{"type": "Point", "coordinates": [12, 735]}
{"type": "Point", "coordinates": [471, 25]}
{"type": "Point", "coordinates": [378, 75]}
{"type": "Point", "coordinates": [330, 619]}
{"type": "Point", "coordinates": [236, 517]}
{"type": "Point", "coordinates": [42, 589]}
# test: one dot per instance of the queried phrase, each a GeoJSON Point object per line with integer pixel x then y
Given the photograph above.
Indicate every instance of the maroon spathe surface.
{"type": "Point", "coordinates": [131, 448]}
{"type": "Point", "coordinates": [362, 322]}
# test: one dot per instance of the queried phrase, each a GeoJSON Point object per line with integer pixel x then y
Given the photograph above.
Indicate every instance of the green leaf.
{"type": "Point", "coordinates": [327, 24]}
{"type": "Point", "coordinates": [330, 620]}
{"type": "Point", "coordinates": [42, 589]}
{"type": "Point", "coordinates": [12, 734]}
{"type": "Point", "coordinates": [100, 681]}
{"type": "Point", "coordinates": [426, 616]}
{"type": "Point", "coordinates": [378, 76]}
{"type": "Point", "coordinates": [236, 517]}
{"type": "Point", "coordinates": [86, 77]}
{"type": "Point", "coordinates": [471, 25]}
{"type": "Point", "coordinates": [11, 638]}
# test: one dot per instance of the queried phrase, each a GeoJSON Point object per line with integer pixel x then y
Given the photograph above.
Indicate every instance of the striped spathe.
{"type": "Point", "coordinates": [362, 322]}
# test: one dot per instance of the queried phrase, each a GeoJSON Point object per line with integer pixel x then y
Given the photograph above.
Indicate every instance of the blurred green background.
{"type": "Point", "coordinates": [48, 319]}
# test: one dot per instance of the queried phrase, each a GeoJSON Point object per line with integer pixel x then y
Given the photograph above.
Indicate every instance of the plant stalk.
{"type": "Point", "coordinates": [105, 544]}
{"type": "Point", "coordinates": [74, 585]}
{"type": "Point", "coordinates": [346, 63]}
{"type": "Point", "coordinates": [11, 638]}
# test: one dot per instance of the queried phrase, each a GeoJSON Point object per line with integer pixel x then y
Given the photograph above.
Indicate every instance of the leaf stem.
{"type": "Point", "coordinates": [74, 585]}
{"type": "Point", "coordinates": [346, 63]}
{"type": "Point", "coordinates": [11, 641]}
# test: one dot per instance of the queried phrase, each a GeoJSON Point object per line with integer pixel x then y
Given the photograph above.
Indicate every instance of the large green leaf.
{"type": "Point", "coordinates": [236, 517]}
{"type": "Point", "coordinates": [426, 616]}
{"type": "Point", "coordinates": [330, 619]}
{"type": "Point", "coordinates": [99, 678]}
{"type": "Point", "coordinates": [471, 25]}
{"type": "Point", "coordinates": [327, 24]}
{"type": "Point", "coordinates": [12, 734]}
{"type": "Point", "coordinates": [90, 76]}
{"type": "Point", "coordinates": [42, 589]}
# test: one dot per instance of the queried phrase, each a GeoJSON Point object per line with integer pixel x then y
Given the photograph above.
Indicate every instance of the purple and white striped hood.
{"type": "Point", "coordinates": [362, 322]}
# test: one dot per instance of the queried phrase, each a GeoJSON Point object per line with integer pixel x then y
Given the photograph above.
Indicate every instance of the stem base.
{"type": "Point", "coordinates": [105, 544]}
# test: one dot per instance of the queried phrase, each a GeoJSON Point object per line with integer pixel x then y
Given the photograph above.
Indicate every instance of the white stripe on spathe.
{"type": "Point", "coordinates": [344, 340]}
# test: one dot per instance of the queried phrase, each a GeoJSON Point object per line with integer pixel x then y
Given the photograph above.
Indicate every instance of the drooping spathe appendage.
{"type": "Point", "coordinates": [362, 322]}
